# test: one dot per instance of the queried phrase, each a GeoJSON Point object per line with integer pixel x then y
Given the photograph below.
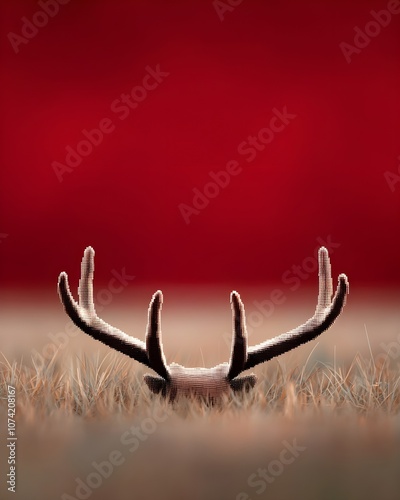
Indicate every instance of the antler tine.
{"type": "Point", "coordinates": [325, 279]}
{"type": "Point", "coordinates": [85, 288]}
{"type": "Point", "coordinates": [326, 312]}
{"type": "Point", "coordinates": [84, 315]}
{"type": "Point", "coordinates": [239, 341]}
{"type": "Point", "coordinates": [153, 337]}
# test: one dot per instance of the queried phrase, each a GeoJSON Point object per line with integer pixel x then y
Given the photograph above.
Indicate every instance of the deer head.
{"type": "Point", "coordinates": [172, 380]}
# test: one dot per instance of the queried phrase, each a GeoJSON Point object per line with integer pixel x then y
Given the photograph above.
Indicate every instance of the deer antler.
{"type": "Point", "coordinates": [211, 382]}
{"type": "Point", "coordinates": [84, 316]}
{"type": "Point", "coordinates": [326, 312]}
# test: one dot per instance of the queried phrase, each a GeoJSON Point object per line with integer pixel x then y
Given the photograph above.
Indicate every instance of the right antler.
{"type": "Point", "coordinates": [243, 358]}
{"type": "Point", "coordinates": [84, 316]}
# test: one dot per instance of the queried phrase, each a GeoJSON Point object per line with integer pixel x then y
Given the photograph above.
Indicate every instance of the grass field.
{"type": "Point", "coordinates": [322, 423]}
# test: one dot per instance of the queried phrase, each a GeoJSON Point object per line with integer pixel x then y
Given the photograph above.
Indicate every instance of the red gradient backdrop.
{"type": "Point", "coordinates": [323, 174]}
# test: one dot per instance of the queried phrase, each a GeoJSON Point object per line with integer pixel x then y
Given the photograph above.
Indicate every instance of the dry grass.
{"type": "Point", "coordinates": [75, 411]}
{"type": "Point", "coordinates": [91, 387]}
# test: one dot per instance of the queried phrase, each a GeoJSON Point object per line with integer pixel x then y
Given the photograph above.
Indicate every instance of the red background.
{"type": "Point", "coordinates": [323, 175]}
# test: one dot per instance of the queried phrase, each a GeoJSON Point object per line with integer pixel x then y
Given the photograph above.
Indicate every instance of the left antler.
{"type": "Point", "coordinates": [328, 309]}
{"type": "Point", "coordinates": [83, 314]}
